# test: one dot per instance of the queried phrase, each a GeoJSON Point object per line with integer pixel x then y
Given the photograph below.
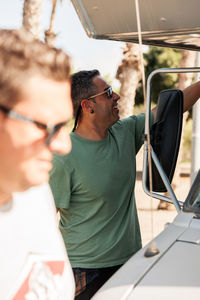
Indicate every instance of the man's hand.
{"type": "Point", "coordinates": [190, 95]}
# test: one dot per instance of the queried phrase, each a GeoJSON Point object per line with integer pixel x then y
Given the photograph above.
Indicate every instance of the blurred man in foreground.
{"type": "Point", "coordinates": [35, 105]}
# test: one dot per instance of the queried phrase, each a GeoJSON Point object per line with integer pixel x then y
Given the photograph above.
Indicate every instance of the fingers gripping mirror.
{"type": "Point", "coordinates": [166, 135]}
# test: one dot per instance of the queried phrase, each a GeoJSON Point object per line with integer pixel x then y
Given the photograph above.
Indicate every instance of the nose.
{"type": "Point", "coordinates": [116, 96]}
{"type": "Point", "coordinates": [61, 143]}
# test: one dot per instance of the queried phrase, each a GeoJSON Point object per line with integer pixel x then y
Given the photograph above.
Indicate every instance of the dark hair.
{"type": "Point", "coordinates": [82, 87]}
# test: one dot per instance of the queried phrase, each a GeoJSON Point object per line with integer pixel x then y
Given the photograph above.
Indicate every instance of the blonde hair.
{"type": "Point", "coordinates": [23, 56]}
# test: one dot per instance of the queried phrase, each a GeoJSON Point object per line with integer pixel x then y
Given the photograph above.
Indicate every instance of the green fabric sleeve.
{"type": "Point", "coordinates": [60, 176]}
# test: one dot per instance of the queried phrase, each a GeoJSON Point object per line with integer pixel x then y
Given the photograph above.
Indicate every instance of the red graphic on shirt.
{"type": "Point", "coordinates": [42, 282]}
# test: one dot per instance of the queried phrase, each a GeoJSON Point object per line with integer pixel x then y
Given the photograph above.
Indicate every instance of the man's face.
{"type": "Point", "coordinates": [25, 158]}
{"type": "Point", "coordinates": [106, 111]}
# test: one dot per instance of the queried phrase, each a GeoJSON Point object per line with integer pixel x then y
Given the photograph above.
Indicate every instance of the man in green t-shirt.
{"type": "Point", "coordinates": [93, 186]}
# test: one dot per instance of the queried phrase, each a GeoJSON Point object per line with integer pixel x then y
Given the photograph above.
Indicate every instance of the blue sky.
{"type": "Point", "coordinates": [86, 53]}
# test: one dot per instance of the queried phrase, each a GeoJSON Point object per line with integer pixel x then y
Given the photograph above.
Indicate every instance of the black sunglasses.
{"type": "Point", "coordinates": [108, 90]}
{"type": "Point", "coordinates": [50, 129]}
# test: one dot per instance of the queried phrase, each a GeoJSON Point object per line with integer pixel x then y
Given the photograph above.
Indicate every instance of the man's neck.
{"type": "Point", "coordinates": [91, 132]}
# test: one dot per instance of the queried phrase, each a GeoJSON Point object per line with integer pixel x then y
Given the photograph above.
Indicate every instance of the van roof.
{"type": "Point", "coordinates": [168, 23]}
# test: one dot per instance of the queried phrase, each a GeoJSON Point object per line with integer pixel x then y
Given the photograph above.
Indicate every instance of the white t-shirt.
{"type": "Point", "coordinates": [33, 260]}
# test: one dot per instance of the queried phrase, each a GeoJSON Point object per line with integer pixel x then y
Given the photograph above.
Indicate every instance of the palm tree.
{"type": "Point", "coordinates": [31, 16]}
{"type": "Point", "coordinates": [50, 36]}
{"type": "Point", "coordinates": [129, 74]}
{"type": "Point", "coordinates": [31, 19]}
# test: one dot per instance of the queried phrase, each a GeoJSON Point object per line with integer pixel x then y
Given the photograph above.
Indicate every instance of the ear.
{"type": "Point", "coordinates": [87, 105]}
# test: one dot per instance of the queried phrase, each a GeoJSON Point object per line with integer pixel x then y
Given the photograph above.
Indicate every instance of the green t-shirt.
{"type": "Point", "coordinates": [94, 188]}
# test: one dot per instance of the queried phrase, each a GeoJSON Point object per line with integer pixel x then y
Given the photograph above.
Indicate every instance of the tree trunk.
{"type": "Point", "coordinates": [129, 74]}
{"type": "Point", "coordinates": [187, 60]}
{"type": "Point", "coordinates": [184, 80]}
{"type": "Point", "coordinates": [31, 16]}
{"type": "Point", "coordinates": [50, 36]}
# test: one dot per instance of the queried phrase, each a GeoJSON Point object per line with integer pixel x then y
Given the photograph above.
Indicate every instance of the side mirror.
{"type": "Point", "coordinates": [166, 135]}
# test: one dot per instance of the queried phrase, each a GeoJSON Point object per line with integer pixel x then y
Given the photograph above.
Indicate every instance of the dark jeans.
{"type": "Point", "coordinates": [88, 281]}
